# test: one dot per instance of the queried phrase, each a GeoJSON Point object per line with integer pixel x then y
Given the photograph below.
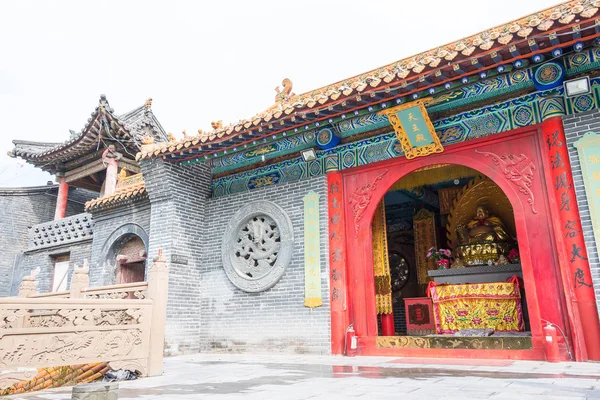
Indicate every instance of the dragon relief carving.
{"type": "Point", "coordinates": [68, 348]}
{"type": "Point", "coordinates": [257, 247]}
{"type": "Point", "coordinates": [9, 317]}
{"type": "Point", "coordinates": [518, 170]}
{"type": "Point", "coordinates": [84, 317]}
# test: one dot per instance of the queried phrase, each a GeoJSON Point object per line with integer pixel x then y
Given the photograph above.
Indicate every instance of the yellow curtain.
{"type": "Point", "coordinates": [425, 238]}
{"type": "Point", "coordinates": [381, 263]}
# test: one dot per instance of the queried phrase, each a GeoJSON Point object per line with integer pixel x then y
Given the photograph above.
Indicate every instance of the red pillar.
{"type": "Point", "coordinates": [387, 325]}
{"type": "Point", "coordinates": [574, 258]}
{"type": "Point", "coordinates": [61, 201]}
{"type": "Point", "coordinates": [337, 262]}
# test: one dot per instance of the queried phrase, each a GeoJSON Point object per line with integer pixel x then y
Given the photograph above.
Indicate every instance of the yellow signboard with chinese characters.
{"type": "Point", "coordinates": [312, 251]}
{"type": "Point", "coordinates": [588, 148]}
{"type": "Point", "coordinates": [414, 129]}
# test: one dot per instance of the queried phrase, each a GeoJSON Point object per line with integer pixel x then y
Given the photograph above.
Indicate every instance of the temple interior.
{"type": "Point", "coordinates": [446, 226]}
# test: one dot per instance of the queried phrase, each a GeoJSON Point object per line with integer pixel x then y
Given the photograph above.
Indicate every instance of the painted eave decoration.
{"type": "Point", "coordinates": [557, 27]}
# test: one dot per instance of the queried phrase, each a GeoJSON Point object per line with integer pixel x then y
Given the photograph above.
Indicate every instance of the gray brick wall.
{"type": "Point", "coordinates": [22, 208]}
{"type": "Point", "coordinates": [44, 259]}
{"type": "Point", "coordinates": [274, 320]}
{"type": "Point", "coordinates": [575, 127]}
{"type": "Point", "coordinates": [178, 197]}
{"type": "Point", "coordinates": [108, 226]}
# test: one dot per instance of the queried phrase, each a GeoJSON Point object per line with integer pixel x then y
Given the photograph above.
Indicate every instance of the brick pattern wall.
{"type": "Point", "coordinates": [575, 127]}
{"type": "Point", "coordinates": [178, 197]}
{"type": "Point", "coordinates": [22, 208]}
{"type": "Point", "coordinates": [44, 259]}
{"type": "Point", "coordinates": [274, 320]}
{"type": "Point", "coordinates": [103, 272]}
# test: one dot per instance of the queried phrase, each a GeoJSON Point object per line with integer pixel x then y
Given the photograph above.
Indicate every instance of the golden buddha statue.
{"type": "Point", "coordinates": [484, 239]}
{"type": "Point", "coordinates": [483, 228]}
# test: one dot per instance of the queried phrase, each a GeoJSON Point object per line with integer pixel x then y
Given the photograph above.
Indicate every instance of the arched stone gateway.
{"type": "Point", "coordinates": [513, 162]}
{"type": "Point", "coordinates": [123, 256]}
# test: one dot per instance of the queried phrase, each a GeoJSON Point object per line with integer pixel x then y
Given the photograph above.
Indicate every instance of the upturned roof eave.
{"type": "Point", "coordinates": [500, 39]}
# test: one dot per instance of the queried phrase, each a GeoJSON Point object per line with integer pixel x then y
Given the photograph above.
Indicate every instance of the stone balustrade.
{"type": "Point", "coordinates": [121, 325]}
{"type": "Point", "coordinates": [134, 290]}
{"type": "Point", "coordinates": [67, 230]}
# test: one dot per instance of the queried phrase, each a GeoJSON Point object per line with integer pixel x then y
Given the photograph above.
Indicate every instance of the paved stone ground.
{"type": "Point", "coordinates": [233, 376]}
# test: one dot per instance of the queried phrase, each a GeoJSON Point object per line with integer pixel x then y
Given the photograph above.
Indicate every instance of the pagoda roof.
{"type": "Point", "coordinates": [126, 131]}
{"type": "Point", "coordinates": [539, 33]}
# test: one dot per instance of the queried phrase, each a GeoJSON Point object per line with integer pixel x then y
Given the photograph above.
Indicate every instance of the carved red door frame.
{"type": "Point", "coordinates": [513, 160]}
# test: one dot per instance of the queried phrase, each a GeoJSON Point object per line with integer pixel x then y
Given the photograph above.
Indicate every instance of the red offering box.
{"type": "Point", "coordinates": [419, 316]}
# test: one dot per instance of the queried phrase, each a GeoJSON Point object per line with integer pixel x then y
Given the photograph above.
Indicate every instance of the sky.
{"type": "Point", "coordinates": [201, 61]}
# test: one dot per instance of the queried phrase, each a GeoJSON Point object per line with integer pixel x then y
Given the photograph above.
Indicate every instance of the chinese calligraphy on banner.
{"type": "Point", "coordinates": [337, 255]}
{"type": "Point", "coordinates": [414, 129]}
{"type": "Point", "coordinates": [312, 252]}
{"type": "Point", "coordinates": [588, 148]}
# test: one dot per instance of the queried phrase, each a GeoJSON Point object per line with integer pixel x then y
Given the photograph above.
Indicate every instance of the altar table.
{"type": "Point", "coordinates": [495, 305]}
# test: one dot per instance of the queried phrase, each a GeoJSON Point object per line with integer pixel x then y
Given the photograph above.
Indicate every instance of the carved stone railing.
{"type": "Point", "coordinates": [55, 295]}
{"type": "Point", "coordinates": [119, 324]}
{"type": "Point", "coordinates": [56, 332]}
{"type": "Point", "coordinates": [80, 288]}
{"type": "Point", "coordinates": [62, 231]}
{"type": "Point", "coordinates": [135, 290]}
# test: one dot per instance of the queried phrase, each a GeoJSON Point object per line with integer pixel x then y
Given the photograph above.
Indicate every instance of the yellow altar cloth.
{"type": "Point", "coordinates": [495, 305]}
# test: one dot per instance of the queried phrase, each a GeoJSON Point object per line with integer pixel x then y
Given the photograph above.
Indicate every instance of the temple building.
{"type": "Point", "coordinates": [444, 205]}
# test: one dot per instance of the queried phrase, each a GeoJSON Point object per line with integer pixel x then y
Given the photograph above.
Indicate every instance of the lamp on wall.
{"type": "Point", "coordinates": [309, 154]}
{"type": "Point", "coordinates": [576, 87]}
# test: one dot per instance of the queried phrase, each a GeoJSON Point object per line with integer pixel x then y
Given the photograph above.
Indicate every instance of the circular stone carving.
{"type": "Point", "coordinates": [257, 246]}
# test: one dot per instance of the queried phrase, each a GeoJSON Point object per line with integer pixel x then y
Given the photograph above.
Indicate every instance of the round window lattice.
{"type": "Point", "coordinates": [257, 246]}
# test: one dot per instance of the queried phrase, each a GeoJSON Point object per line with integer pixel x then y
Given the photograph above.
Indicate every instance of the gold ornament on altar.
{"type": "Point", "coordinates": [458, 263]}
{"type": "Point", "coordinates": [477, 223]}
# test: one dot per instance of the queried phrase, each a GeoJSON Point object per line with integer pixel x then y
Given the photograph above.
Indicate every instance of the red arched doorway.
{"type": "Point", "coordinates": [513, 161]}
{"type": "Point", "coordinates": [131, 261]}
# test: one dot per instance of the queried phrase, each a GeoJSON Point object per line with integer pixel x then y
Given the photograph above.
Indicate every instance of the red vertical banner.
{"type": "Point", "coordinates": [337, 261]}
{"type": "Point", "coordinates": [579, 281]}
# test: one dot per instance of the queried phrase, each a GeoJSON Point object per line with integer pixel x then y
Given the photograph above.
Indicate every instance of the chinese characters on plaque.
{"type": "Point", "coordinates": [414, 129]}
{"type": "Point", "coordinates": [312, 252]}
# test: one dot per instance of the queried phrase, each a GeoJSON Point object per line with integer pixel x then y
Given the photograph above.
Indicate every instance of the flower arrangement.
{"type": "Point", "coordinates": [513, 256]}
{"type": "Point", "coordinates": [441, 256]}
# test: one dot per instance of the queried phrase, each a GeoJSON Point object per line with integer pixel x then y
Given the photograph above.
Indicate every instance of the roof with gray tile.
{"type": "Point", "coordinates": [103, 127]}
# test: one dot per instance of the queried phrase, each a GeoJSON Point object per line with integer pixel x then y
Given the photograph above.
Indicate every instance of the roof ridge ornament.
{"type": "Point", "coordinates": [284, 95]}
{"type": "Point", "coordinates": [148, 103]}
{"type": "Point", "coordinates": [103, 104]}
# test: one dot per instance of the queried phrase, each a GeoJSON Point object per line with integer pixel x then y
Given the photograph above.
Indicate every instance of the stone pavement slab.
{"type": "Point", "coordinates": [303, 377]}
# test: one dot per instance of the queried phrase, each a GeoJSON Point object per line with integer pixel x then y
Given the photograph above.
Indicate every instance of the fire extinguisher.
{"type": "Point", "coordinates": [551, 343]}
{"type": "Point", "coordinates": [351, 342]}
